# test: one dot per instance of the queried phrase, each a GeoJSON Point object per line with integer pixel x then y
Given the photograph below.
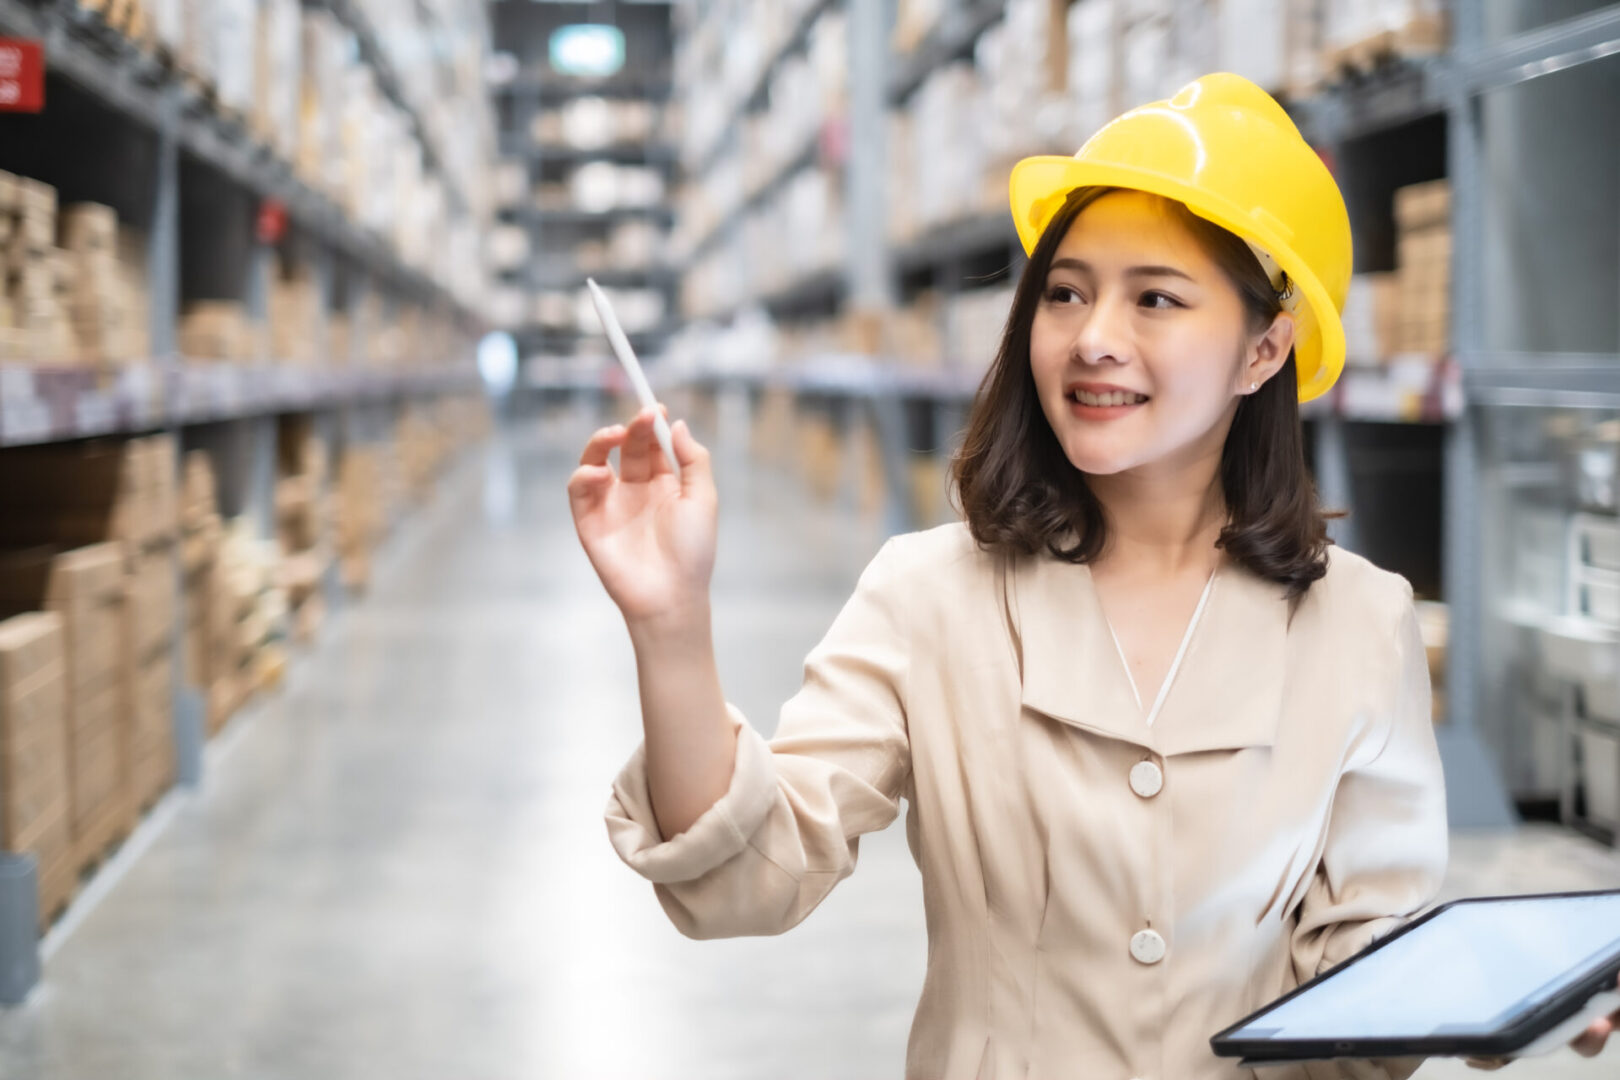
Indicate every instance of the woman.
{"type": "Point", "coordinates": [1166, 753]}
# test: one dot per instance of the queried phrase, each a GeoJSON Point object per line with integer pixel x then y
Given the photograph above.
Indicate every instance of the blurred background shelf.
{"type": "Point", "coordinates": [627, 153]}
{"type": "Point", "coordinates": [952, 38]}
{"type": "Point", "coordinates": [755, 96]}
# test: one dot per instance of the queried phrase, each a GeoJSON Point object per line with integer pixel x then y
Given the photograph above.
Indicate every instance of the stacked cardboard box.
{"type": "Point", "coordinates": [236, 24]}
{"type": "Point", "coordinates": [360, 516]}
{"type": "Point", "coordinates": [1357, 36]}
{"type": "Point", "coordinates": [150, 487]}
{"type": "Point", "coordinates": [251, 609]}
{"type": "Point", "coordinates": [166, 20]}
{"type": "Point", "coordinates": [105, 516]}
{"type": "Point", "coordinates": [302, 524]}
{"type": "Point", "coordinates": [35, 792]}
{"type": "Point", "coordinates": [277, 69]}
{"type": "Point", "coordinates": [821, 449]}
{"type": "Point", "coordinates": [136, 294]}
{"type": "Point", "coordinates": [1372, 318]}
{"type": "Point", "coordinates": [128, 17]}
{"type": "Point", "coordinates": [95, 284]}
{"type": "Point", "coordinates": [78, 494]}
{"type": "Point", "coordinates": [421, 452]}
{"type": "Point", "coordinates": [84, 587]}
{"type": "Point", "coordinates": [218, 330]}
{"type": "Point", "coordinates": [1024, 64]}
{"type": "Point", "coordinates": [295, 312]}
{"type": "Point", "coordinates": [914, 20]}
{"type": "Point", "coordinates": [148, 674]}
{"type": "Point", "coordinates": [199, 56]}
{"type": "Point", "coordinates": [1423, 266]}
{"type": "Point", "coordinates": [201, 535]}
{"type": "Point", "coordinates": [35, 326]}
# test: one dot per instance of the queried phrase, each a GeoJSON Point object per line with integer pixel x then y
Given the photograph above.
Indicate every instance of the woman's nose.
{"type": "Point", "coordinates": [1104, 337]}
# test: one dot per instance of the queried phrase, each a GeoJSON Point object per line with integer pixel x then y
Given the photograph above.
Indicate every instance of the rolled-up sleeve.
{"type": "Point", "coordinates": [787, 829]}
{"type": "Point", "coordinates": [1386, 849]}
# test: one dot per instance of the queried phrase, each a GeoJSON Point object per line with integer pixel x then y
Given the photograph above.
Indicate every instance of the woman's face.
{"type": "Point", "coordinates": [1140, 346]}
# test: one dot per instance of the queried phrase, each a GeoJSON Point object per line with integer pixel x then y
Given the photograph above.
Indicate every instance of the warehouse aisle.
{"type": "Point", "coordinates": [398, 869]}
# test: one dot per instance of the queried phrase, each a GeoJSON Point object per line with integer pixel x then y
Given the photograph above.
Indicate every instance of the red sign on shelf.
{"type": "Point", "coordinates": [22, 76]}
{"type": "Point", "coordinates": [272, 224]}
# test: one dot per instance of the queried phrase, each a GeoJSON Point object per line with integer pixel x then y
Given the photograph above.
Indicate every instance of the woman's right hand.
{"type": "Point", "coordinates": [650, 537]}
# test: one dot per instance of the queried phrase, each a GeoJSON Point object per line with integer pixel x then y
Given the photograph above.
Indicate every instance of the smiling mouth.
{"type": "Point", "coordinates": [1114, 398]}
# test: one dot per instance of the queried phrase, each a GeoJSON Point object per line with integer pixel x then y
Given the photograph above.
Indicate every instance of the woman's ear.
{"type": "Point", "coordinates": [1267, 353]}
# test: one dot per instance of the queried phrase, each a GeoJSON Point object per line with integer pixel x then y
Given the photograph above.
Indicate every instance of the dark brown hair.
{"type": "Point", "coordinates": [1020, 493]}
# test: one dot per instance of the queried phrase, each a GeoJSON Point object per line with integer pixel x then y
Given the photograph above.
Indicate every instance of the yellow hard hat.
{"type": "Point", "coordinates": [1228, 151]}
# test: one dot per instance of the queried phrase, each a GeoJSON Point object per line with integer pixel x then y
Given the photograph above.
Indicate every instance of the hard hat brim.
{"type": "Point", "coordinates": [1039, 185]}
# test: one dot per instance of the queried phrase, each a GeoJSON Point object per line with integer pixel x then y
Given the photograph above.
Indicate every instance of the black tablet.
{"type": "Point", "coordinates": [1492, 976]}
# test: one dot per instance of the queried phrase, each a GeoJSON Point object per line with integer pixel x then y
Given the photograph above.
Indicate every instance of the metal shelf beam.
{"type": "Point", "coordinates": [561, 90]}
{"type": "Point", "coordinates": [981, 234]}
{"type": "Point", "coordinates": [1389, 98]}
{"type": "Point", "coordinates": [40, 405]}
{"type": "Point", "coordinates": [572, 216]}
{"type": "Point", "coordinates": [1550, 380]}
{"type": "Point", "coordinates": [659, 154]}
{"type": "Point", "coordinates": [1476, 68]}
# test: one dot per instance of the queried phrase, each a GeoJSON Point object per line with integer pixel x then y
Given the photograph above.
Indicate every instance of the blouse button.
{"type": "Point", "coordinates": [1147, 779]}
{"type": "Point", "coordinates": [1147, 947]}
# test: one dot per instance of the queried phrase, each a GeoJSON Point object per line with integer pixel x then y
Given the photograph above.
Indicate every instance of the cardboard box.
{"type": "Point", "coordinates": [34, 784]}
{"type": "Point", "coordinates": [217, 330]}
{"type": "Point", "coordinates": [89, 228]}
{"type": "Point", "coordinates": [1423, 206]}
{"type": "Point", "coordinates": [149, 608]}
{"type": "Point", "coordinates": [198, 498]}
{"type": "Point", "coordinates": [99, 784]}
{"type": "Point", "coordinates": [83, 586]}
{"type": "Point", "coordinates": [80, 494]}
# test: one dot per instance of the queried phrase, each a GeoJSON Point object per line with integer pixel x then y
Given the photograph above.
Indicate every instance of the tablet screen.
{"type": "Point", "coordinates": [1468, 971]}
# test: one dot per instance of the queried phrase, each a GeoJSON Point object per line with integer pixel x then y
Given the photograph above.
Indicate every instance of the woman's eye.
{"type": "Point", "coordinates": [1062, 294]}
{"type": "Point", "coordinates": [1159, 301]}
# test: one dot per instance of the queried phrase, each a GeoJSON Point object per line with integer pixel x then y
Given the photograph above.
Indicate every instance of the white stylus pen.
{"type": "Point", "coordinates": [621, 349]}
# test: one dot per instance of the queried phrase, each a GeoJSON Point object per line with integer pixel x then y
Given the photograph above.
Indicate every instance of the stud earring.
{"type": "Point", "coordinates": [1253, 387]}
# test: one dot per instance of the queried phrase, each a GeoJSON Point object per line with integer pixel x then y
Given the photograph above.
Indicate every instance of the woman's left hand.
{"type": "Point", "coordinates": [1588, 1044]}
{"type": "Point", "coordinates": [1592, 1039]}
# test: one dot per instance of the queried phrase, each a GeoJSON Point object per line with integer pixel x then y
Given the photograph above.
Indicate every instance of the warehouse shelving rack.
{"type": "Point", "coordinates": [192, 177]}
{"type": "Point", "coordinates": [797, 39]}
{"type": "Point", "coordinates": [519, 101]}
{"type": "Point", "coordinates": [1476, 67]}
{"type": "Point", "coordinates": [1420, 418]}
{"type": "Point", "coordinates": [807, 155]}
{"type": "Point", "coordinates": [353, 16]}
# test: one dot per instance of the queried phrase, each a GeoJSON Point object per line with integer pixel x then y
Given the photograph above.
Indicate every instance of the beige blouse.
{"type": "Point", "coordinates": [1102, 895]}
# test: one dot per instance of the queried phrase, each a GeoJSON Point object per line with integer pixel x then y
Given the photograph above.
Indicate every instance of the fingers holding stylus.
{"type": "Point", "coordinates": [640, 457]}
{"type": "Point", "coordinates": [590, 483]}
{"type": "Point", "coordinates": [696, 480]}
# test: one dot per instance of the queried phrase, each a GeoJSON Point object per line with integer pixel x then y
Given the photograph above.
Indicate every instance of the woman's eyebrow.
{"type": "Point", "coordinates": [1136, 271]}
